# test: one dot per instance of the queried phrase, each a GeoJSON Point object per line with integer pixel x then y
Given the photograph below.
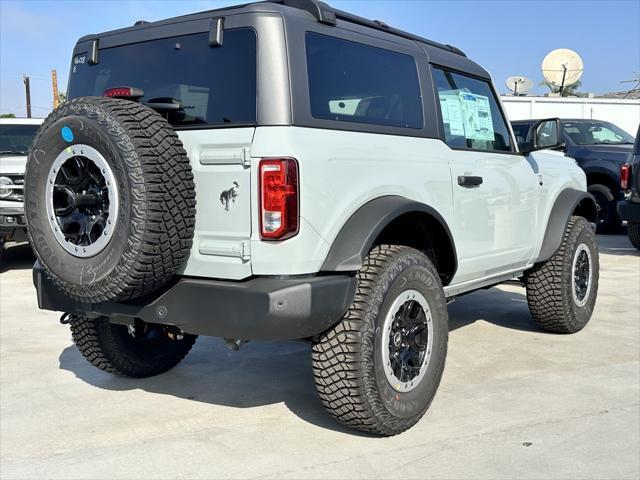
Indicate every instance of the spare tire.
{"type": "Point", "coordinates": [109, 199]}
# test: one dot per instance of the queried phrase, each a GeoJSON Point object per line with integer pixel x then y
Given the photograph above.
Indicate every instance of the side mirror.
{"type": "Point", "coordinates": [543, 135]}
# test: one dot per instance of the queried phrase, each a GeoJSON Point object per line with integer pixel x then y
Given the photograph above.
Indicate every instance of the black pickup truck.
{"type": "Point", "coordinates": [600, 148]}
{"type": "Point", "coordinates": [629, 208]}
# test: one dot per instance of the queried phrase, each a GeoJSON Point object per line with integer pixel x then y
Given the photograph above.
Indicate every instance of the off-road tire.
{"type": "Point", "coordinates": [608, 220]}
{"type": "Point", "coordinates": [633, 230]}
{"type": "Point", "coordinates": [549, 284]}
{"type": "Point", "coordinates": [347, 361]}
{"type": "Point", "coordinates": [110, 347]}
{"type": "Point", "coordinates": [153, 231]}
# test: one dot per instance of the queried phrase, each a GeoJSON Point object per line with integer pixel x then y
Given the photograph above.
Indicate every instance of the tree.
{"type": "Point", "coordinates": [62, 97]}
{"type": "Point", "coordinates": [567, 91]}
{"type": "Point", "coordinates": [8, 115]}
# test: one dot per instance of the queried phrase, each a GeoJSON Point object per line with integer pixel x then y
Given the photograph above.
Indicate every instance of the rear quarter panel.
{"type": "Point", "coordinates": [339, 172]}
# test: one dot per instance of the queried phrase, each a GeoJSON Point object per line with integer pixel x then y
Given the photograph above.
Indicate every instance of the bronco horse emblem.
{"type": "Point", "coordinates": [227, 197]}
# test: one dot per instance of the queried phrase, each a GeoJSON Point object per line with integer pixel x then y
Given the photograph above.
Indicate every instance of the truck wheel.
{"type": "Point", "coordinates": [562, 291]}
{"type": "Point", "coordinates": [633, 229]}
{"type": "Point", "coordinates": [379, 368]}
{"type": "Point", "coordinates": [141, 351]}
{"type": "Point", "coordinates": [109, 199]}
{"type": "Point", "coordinates": [608, 220]}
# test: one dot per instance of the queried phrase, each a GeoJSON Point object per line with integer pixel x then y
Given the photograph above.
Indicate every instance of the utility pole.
{"type": "Point", "coordinates": [54, 82]}
{"type": "Point", "coordinates": [27, 91]}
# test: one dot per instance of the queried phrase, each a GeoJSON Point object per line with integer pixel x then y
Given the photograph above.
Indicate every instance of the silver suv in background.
{"type": "Point", "coordinates": [16, 136]}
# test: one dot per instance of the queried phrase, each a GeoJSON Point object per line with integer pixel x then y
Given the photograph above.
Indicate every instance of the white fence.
{"type": "Point", "coordinates": [624, 113]}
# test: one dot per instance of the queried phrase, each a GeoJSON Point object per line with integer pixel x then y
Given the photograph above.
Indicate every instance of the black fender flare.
{"type": "Point", "coordinates": [358, 234]}
{"type": "Point", "coordinates": [569, 201]}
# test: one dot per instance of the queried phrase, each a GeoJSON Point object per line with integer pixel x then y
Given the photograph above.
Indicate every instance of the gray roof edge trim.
{"type": "Point", "coordinates": [277, 8]}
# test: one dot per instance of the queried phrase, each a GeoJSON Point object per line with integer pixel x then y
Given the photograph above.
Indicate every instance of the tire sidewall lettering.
{"type": "Point", "coordinates": [404, 276]}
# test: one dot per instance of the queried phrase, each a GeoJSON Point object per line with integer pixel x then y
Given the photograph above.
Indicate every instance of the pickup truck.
{"type": "Point", "coordinates": [629, 208]}
{"type": "Point", "coordinates": [599, 148]}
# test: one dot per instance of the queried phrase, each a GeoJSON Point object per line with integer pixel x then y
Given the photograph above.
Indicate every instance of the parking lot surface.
{"type": "Point", "coordinates": [514, 401]}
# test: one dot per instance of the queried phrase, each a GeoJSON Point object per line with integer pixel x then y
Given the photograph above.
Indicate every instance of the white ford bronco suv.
{"type": "Point", "coordinates": [285, 170]}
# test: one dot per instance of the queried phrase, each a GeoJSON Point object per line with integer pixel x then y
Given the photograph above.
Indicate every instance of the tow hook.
{"type": "Point", "coordinates": [64, 319]}
{"type": "Point", "coordinates": [175, 334]}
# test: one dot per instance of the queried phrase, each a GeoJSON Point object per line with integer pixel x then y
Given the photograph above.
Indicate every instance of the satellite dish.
{"type": "Point", "coordinates": [519, 85]}
{"type": "Point", "coordinates": [562, 67]}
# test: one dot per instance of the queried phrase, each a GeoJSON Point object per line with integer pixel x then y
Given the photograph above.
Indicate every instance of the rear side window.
{"type": "Point", "coordinates": [353, 82]}
{"type": "Point", "coordinates": [213, 85]}
{"type": "Point", "coordinates": [470, 114]}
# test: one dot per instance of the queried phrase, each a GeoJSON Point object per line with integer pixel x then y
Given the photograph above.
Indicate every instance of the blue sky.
{"type": "Point", "coordinates": [505, 37]}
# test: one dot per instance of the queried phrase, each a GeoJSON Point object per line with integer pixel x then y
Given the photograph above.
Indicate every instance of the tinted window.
{"type": "Point", "coordinates": [520, 131]}
{"type": "Point", "coordinates": [353, 82]}
{"type": "Point", "coordinates": [16, 139]}
{"type": "Point", "coordinates": [215, 85]}
{"type": "Point", "coordinates": [594, 132]}
{"type": "Point", "coordinates": [471, 117]}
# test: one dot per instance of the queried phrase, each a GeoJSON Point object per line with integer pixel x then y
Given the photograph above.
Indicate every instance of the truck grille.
{"type": "Point", "coordinates": [17, 188]}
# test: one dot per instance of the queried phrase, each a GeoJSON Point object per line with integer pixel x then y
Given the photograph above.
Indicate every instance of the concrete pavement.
{"type": "Point", "coordinates": [514, 402]}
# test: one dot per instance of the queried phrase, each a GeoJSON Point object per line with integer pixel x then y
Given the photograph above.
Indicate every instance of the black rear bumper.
{"type": "Point", "coordinates": [629, 211]}
{"type": "Point", "coordinates": [257, 309]}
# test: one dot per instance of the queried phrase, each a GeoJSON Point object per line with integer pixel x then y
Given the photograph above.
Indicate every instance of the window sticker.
{"type": "Point", "coordinates": [467, 114]}
{"type": "Point", "coordinates": [452, 113]}
{"type": "Point", "coordinates": [478, 124]}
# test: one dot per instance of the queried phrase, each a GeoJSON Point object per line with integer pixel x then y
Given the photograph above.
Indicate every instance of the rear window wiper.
{"type": "Point", "coordinates": [164, 104]}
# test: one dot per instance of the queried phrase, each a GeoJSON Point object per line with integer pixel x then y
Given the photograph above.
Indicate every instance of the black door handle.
{"type": "Point", "coordinates": [466, 181]}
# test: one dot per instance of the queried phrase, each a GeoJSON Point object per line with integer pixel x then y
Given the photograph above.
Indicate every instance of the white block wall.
{"type": "Point", "coordinates": [624, 113]}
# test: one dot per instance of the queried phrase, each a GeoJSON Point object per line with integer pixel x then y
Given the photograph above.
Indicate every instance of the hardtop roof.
{"type": "Point", "coordinates": [301, 10]}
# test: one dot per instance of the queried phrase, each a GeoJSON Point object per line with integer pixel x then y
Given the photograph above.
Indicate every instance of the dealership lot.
{"type": "Point", "coordinates": [514, 401]}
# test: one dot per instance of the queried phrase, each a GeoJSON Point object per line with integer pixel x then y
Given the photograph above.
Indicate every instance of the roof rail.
{"type": "Point", "coordinates": [322, 12]}
{"type": "Point", "coordinates": [379, 25]}
{"type": "Point", "coordinates": [325, 14]}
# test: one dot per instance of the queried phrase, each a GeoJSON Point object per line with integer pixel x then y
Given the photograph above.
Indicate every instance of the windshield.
{"type": "Point", "coordinates": [209, 85]}
{"type": "Point", "coordinates": [593, 132]}
{"type": "Point", "coordinates": [16, 139]}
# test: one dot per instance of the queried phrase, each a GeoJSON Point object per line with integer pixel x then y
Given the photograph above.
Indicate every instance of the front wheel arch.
{"type": "Point", "coordinates": [570, 202]}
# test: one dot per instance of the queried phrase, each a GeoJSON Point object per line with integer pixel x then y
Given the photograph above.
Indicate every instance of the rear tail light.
{"type": "Point", "coordinates": [279, 198]}
{"type": "Point", "coordinates": [625, 176]}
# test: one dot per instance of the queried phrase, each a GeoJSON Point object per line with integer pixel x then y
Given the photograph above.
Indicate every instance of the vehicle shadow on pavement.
{"type": "Point", "coordinates": [260, 374]}
{"type": "Point", "coordinates": [17, 257]}
{"type": "Point", "coordinates": [617, 244]}
{"type": "Point", "coordinates": [266, 373]}
{"type": "Point", "coordinates": [503, 308]}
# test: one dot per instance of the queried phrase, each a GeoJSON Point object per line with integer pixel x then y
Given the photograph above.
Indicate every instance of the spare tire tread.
{"type": "Point", "coordinates": [163, 198]}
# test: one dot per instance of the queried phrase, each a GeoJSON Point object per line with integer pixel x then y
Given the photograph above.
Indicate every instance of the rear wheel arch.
{"type": "Point", "coordinates": [398, 221]}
